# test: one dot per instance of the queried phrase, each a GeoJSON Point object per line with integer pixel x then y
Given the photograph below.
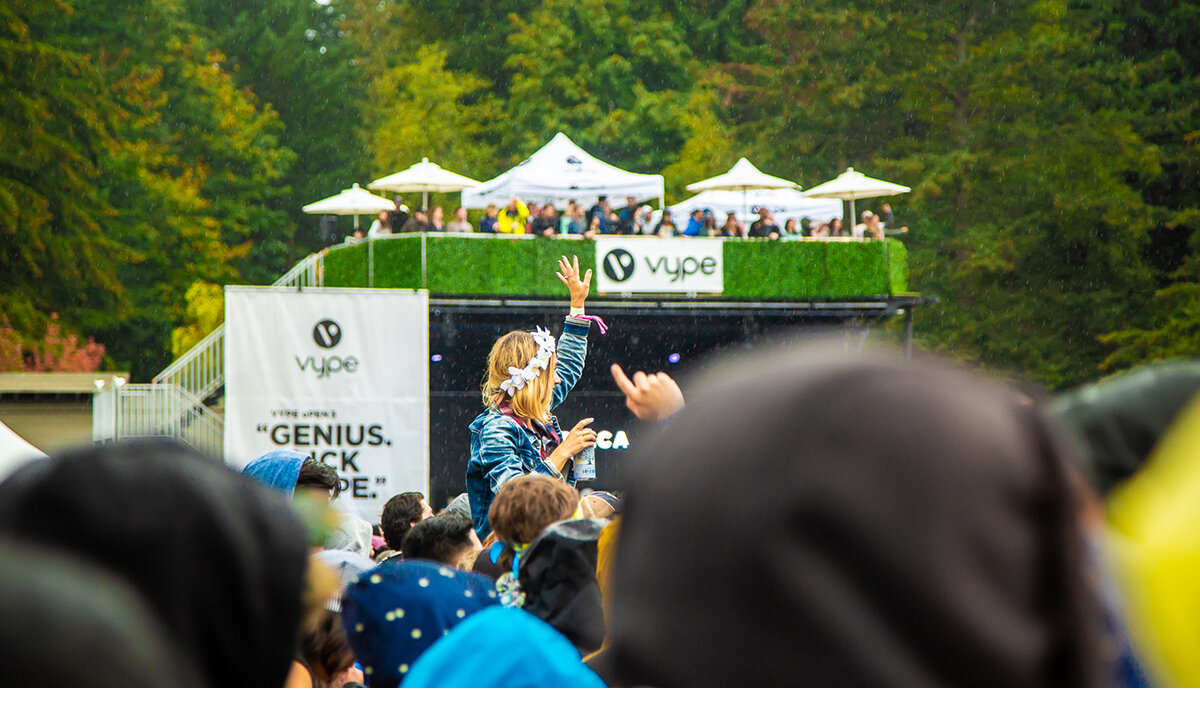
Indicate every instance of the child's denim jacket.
{"type": "Point", "coordinates": [502, 448]}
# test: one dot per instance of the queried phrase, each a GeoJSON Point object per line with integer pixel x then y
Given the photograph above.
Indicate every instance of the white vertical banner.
{"type": "Point", "coordinates": [340, 374]}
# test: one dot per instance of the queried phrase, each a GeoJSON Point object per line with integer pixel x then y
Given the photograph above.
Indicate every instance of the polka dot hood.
{"type": "Point", "coordinates": [396, 611]}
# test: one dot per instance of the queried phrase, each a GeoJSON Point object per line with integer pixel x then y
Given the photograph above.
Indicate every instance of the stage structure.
{"type": "Point", "coordinates": [670, 304]}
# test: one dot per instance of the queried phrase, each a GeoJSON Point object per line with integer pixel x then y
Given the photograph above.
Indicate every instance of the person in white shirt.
{"type": "Point", "coordinates": [381, 227]}
{"type": "Point", "coordinates": [460, 223]}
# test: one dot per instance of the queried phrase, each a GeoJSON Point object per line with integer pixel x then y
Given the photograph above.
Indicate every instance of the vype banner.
{"type": "Point", "coordinates": [340, 374]}
{"type": "Point", "coordinates": [653, 265]}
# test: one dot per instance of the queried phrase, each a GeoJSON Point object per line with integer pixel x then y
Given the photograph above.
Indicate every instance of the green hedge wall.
{"type": "Point", "coordinates": [522, 267]}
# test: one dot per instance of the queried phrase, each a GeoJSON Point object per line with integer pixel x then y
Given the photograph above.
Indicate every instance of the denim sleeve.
{"type": "Point", "coordinates": [572, 349]}
{"type": "Point", "coordinates": [498, 457]}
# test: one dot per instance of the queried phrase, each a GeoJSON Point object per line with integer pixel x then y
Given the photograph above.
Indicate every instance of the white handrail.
{"type": "Point", "coordinates": [201, 370]}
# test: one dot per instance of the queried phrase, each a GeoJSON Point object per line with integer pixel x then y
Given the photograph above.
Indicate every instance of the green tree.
{"type": "Point", "coordinates": [615, 80]}
{"type": "Point", "coordinates": [54, 252]}
{"type": "Point", "coordinates": [298, 61]}
{"type": "Point", "coordinates": [420, 109]}
{"type": "Point", "coordinates": [188, 166]}
{"type": "Point", "coordinates": [205, 311]}
{"type": "Point", "coordinates": [1160, 80]}
{"type": "Point", "coordinates": [474, 33]}
{"type": "Point", "coordinates": [717, 31]}
{"type": "Point", "coordinates": [711, 146]}
{"type": "Point", "coordinates": [1001, 120]}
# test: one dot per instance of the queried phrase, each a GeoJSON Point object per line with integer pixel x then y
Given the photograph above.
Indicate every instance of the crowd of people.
{"type": "Point", "coordinates": [811, 517]}
{"type": "Point", "coordinates": [632, 219]}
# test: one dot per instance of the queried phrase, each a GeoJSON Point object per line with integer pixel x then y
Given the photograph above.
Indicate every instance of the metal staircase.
{"type": "Point", "coordinates": [173, 404]}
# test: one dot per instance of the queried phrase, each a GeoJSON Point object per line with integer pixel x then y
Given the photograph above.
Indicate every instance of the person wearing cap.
{"type": "Point", "coordinates": [860, 229]}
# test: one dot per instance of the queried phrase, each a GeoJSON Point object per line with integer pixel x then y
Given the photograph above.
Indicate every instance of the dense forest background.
{"type": "Point", "coordinates": [150, 149]}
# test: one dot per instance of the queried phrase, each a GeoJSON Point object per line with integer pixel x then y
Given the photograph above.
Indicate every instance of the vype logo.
{"type": "Point", "coordinates": [618, 265]}
{"type": "Point", "coordinates": [327, 334]}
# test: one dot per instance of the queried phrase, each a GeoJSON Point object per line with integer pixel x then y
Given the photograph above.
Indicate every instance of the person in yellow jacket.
{"type": "Point", "coordinates": [512, 219]}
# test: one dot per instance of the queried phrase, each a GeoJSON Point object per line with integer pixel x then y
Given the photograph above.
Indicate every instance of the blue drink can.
{"type": "Point", "coordinates": [585, 464]}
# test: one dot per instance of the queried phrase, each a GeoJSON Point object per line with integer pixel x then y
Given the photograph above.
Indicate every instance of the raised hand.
{"type": "Point", "coordinates": [650, 397]}
{"type": "Point", "coordinates": [568, 273]}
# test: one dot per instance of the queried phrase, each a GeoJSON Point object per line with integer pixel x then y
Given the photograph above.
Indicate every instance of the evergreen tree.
{"type": "Point", "coordinates": [999, 118]}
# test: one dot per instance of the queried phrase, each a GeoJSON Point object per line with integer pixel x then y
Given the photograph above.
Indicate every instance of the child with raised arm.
{"type": "Point", "coordinates": [528, 375]}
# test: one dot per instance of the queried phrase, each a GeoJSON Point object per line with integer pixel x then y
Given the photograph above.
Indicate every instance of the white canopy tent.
{"type": "Point", "coordinates": [561, 171]}
{"type": "Point", "coordinates": [15, 452]}
{"type": "Point", "coordinates": [784, 205]}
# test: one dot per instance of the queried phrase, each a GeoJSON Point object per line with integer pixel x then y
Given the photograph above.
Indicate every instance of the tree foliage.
{"type": "Point", "coordinates": [1003, 120]}
{"type": "Point", "coordinates": [420, 109]}
{"type": "Point", "coordinates": [54, 128]}
{"type": "Point", "coordinates": [152, 145]}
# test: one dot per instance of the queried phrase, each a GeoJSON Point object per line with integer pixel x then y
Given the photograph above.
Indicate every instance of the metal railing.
{"type": "Point", "coordinates": [201, 370]}
{"type": "Point", "coordinates": [308, 272]}
{"type": "Point", "coordinates": [172, 405]}
{"type": "Point", "coordinates": [157, 410]}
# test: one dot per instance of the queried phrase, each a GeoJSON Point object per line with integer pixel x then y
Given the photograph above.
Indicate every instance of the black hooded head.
{"type": "Point", "coordinates": [819, 518]}
{"type": "Point", "coordinates": [218, 558]}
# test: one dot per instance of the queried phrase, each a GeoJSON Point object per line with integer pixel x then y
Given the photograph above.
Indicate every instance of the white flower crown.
{"type": "Point", "coordinates": [518, 378]}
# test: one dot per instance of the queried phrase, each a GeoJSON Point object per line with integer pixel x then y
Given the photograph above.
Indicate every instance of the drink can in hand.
{"type": "Point", "coordinates": [585, 464]}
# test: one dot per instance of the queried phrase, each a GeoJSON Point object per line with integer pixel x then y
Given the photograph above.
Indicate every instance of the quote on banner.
{"type": "Point", "coordinates": [338, 374]}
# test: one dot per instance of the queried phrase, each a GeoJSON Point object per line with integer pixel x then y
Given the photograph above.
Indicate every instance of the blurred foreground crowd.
{"type": "Point", "coordinates": [811, 517]}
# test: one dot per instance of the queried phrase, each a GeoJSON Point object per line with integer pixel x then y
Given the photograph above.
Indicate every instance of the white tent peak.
{"type": "Point", "coordinates": [560, 171]}
{"type": "Point", "coordinates": [742, 176]}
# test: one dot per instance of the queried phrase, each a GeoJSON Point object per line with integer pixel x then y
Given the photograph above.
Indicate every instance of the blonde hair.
{"type": "Point", "coordinates": [532, 401]}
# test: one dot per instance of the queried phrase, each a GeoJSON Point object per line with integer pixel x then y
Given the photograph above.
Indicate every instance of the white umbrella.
{"type": "Point", "coordinates": [354, 201]}
{"type": "Point", "coordinates": [852, 185]}
{"type": "Point", "coordinates": [743, 176]}
{"type": "Point", "coordinates": [424, 177]}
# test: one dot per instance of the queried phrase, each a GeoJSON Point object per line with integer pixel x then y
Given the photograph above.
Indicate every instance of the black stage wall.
{"type": "Point", "coordinates": [673, 340]}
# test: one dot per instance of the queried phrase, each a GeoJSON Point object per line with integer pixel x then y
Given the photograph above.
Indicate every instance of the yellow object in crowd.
{"type": "Point", "coordinates": [513, 224]}
{"type": "Point", "coordinates": [1155, 547]}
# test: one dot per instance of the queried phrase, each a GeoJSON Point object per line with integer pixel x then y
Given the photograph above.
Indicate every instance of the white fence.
{"type": "Point", "coordinates": [127, 411]}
